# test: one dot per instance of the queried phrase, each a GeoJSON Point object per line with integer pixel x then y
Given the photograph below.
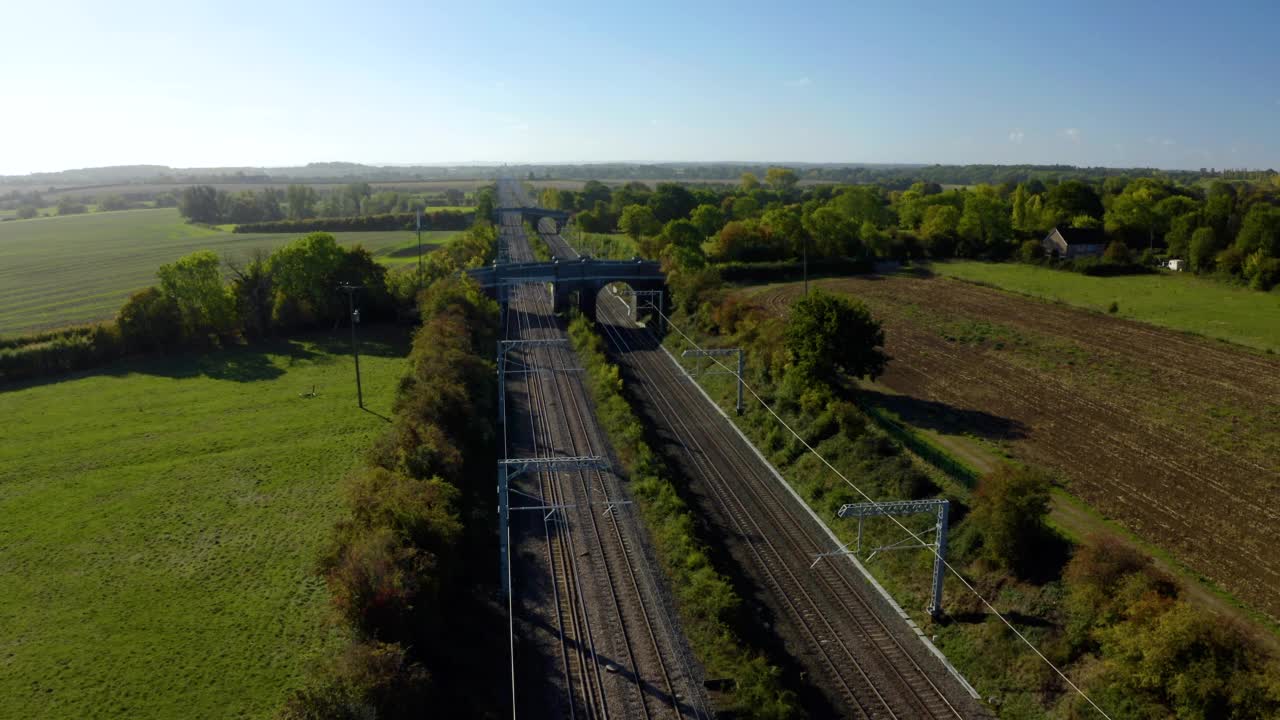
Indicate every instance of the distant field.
{"type": "Point", "coordinates": [124, 188]}
{"type": "Point", "coordinates": [78, 268]}
{"type": "Point", "coordinates": [162, 521]}
{"type": "Point", "coordinates": [1177, 301]}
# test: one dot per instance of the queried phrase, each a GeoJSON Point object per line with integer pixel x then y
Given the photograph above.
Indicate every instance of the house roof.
{"type": "Point", "coordinates": [1082, 236]}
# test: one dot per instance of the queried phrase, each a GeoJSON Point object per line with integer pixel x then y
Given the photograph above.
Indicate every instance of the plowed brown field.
{"type": "Point", "coordinates": [1174, 436]}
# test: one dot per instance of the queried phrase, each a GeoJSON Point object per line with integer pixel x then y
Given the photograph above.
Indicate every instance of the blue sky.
{"type": "Point", "coordinates": [1170, 84]}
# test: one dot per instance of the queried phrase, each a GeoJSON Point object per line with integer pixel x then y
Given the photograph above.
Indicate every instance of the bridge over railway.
{"type": "Point", "coordinates": [533, 215]}
{"type": "Point", "coordinates": [581, 279]}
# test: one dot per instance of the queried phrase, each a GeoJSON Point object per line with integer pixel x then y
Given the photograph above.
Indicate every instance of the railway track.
{"type": "Point", "coordinates": [617, 648]}
{"type": "Point", "coordinates": [867, 667]}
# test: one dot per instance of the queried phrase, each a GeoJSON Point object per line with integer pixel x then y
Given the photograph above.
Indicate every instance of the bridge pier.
{"type": "Point", "coordinates": [587, 298]}
{"type": "Point", "coordinates": [559, 298]}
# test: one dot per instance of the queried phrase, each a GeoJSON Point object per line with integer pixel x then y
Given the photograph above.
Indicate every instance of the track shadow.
{"type": "Point", "coordinates": [947, 419]}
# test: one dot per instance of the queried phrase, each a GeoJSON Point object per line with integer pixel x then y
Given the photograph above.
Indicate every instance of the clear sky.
{"type": "Point", "coordinates": [1166, 84]}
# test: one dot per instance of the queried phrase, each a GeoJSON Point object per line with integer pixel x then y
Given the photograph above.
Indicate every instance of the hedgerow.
{"type": "Point", "coordinates": [439, 220]}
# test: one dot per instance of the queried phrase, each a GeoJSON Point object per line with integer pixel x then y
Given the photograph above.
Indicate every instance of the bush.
{"type": "Point", "coordinates": [59, 351]}
{"type": "Point", "coordinates": [1009, 511]}
{"type": "Point", "coordinates": [1031, 251]}
{"type": "Point", "coordinates": [370, 679]}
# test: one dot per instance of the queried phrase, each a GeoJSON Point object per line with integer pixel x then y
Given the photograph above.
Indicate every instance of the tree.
{"type": "Point", "coordinates": [744, 207]}
{"type": "Point", "coordinates": [1020, 209]}
{"type": "Point", "coordinates": [26, 212]}
{"type": "Point", "coordinates": [708, 219]}
{"type": "Point", "coordinates": [637, 221]}
{"type": "Point", "coordinates": [1072, 198]}
{"type": "Point", "coordinates": [986, 223]}
{"type": "Point", "coordinates": [304, 274]}
{"type": "Point", "coordinates": [149, 320]}
{"type": "Point", "coordinates": [1260, 231]}
{"type": "Point", "coordinates": [748, 182]}
{"type": "Point", "coordinates": [1031, 251]}
{"type": "Point", "coordinates": [786, 225]}
{"type": "Point", "coordinates": [200, 204]}
{"type": "Point", "coordinates": [68, 205]}
{"type": "Point", "coordinates": [593, 191]}
{"type": "Point", "coordinates": [1117, 252]}
{"type": "Point", "coordinates": [833, 234]}
{"type": "Point", "coordinates": [671, 201]}
{"type": "Point", "coordinates": [454, 197]}
{"type": "Point", "coordinates": [486, 201]}
{"type": "Point", "coordinates": [827, 335]}
{"type": "Point", "coordinates": [782, 180]}
{"type": "Point", "coordinates": [682, 245]}
{"type": "Point", "coordinates": [301, 200]}
{"type": "Point", "coordinates": [194, 284]}
{"type": "Point", "coordinates": [1204, 247]}
{"type": "Point", "coordinates": [1009, 511]}
{"type": "Point", "coordinates": [112, 202]}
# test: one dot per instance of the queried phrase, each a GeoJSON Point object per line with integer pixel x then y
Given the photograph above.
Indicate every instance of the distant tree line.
{"type": "Point", "coordinates": [209, 205]}
{"type": "Point", "coordinates": [438, 220]}
{"type": "Point", "coordinates": [1230, 229]}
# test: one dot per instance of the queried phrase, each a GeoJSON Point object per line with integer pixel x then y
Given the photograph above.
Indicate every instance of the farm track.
{"type": "Point", "coordinates": [1151, 452]}
{"type": "Point", "coordinates": [868, 668]}
{"type": "Point", "coordinates": [606, 626]}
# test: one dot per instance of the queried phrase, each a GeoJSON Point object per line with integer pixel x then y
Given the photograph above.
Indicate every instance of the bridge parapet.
{"type": "Point", "coordinates": [534, 214]}
{"type": "Point", "coordinates": [585, 277]}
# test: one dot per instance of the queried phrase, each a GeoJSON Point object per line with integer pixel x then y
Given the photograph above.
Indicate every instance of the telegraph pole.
{"type": "Point", "coordinates": [350, 290]}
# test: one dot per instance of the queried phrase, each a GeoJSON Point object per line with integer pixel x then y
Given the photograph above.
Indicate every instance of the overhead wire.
{"type": "Point", "coordinates": [872, 501]}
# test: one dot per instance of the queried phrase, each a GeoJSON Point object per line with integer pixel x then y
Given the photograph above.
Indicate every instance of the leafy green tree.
{"type": "Point", "coordinates": [708, 219]}
{"type": "Point", "coordinates": [1204, 247]}
{"type": "Point", "coordinates": [745, 207]}
{"type": "Point", "coordinates": [1020, 209]}
{"type": "Point", "coordinates": [748, 182]}
{"type": "Point", "coordinates": [671, 201]}
{"type": "Point", "coordinates": [834, 235]}
{"type": "Point", "coordinates": [1009, 511]}
{"type": "Point", "coordinates": [1071, 198]}
{"type": "Point", "coordinates": [353, 197]}
{"type": "Point", "coordinates": [638, 221]}
{"type": "Point", "coordinates": [454, 197]}
{"type": "Point", "coordinates": [201, 204]}
{"type": "Point", "coordinates": [194, 284]}
{"type": "Point", "coordinates": [782, 180]}
{"type": "Point", "coordinates": [486, 201]}
{"type": "Point", "coordinates": [112, 202]}
{"type": "Point", "coordinates": [1031, 251]}
{"type": "Point", "coordinates": [786, 225]}
{"type": "Point", "coordinates": [682, 246]}
{"type": "Point", "coordinates": [986, 225]}
{"type": "Point", "coordinates": [68, 205]}
{"type": "Point", "coordinates": [1118, 253]}
{"type": "Point", "coordinates": [827, 335]}
{"type": "Point", "coordinates": [1260, 231]}
{"type": "Point", "coordinates": [301, 200]}
{"type": "Point", "coordinates": [593, 191]}
{"type": "Point", "coordinates": [26, 212]}
{"type": "Point", "coordinates": [149, 320]}
{"type": "Point", "coordinates": [304, 276]}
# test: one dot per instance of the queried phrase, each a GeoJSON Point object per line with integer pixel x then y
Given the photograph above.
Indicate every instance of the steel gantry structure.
{"type": "Point", "coordinates": [941, 511]}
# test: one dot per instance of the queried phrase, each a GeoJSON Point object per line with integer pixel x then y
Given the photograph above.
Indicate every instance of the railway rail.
{"type": "Point", "coordinates": [865, 662]}
{"type": "Point", "coordinates": [618, 650]}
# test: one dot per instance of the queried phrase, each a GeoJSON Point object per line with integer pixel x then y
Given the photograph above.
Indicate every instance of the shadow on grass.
{"type": "Point", "coordinates": [946, 419]}
{"type": "Point", "coordinates": [255, 362]}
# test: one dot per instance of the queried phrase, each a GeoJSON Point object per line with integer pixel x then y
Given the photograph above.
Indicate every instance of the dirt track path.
{"type": "Point", "coordinates": [1176, 437]}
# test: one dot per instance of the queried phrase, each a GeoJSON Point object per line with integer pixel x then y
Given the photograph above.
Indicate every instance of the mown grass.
{"type": "Point", "coordinates": [1174, 300]}
{"type": "Point", "coordinates": [79, 268]}
{"type": "Point", "coordinates": [161, 523]}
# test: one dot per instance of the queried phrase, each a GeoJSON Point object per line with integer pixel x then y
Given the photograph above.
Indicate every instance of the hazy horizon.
{"type": "Point", "coordinates": [1161, 85]}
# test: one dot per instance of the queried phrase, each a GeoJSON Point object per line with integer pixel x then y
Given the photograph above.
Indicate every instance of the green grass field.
{"type": "Point", "coordinates": [1179, 301]}
{"type": "Point", "coordinates": [79, 268]}
{"type": "Point", "coordinates": [162, 521]}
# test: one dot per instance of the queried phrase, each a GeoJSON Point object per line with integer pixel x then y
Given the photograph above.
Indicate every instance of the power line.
{"type": "Point", "coordinates": [895, 520]}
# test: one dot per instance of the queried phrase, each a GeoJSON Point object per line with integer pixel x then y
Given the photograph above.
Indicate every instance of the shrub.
{"type": "Point", "coordinates": [1009, 511]}
{"type": "Point", "coordinates": [370, 679]}
{"type": "Point", "coordinates": [439, 220]}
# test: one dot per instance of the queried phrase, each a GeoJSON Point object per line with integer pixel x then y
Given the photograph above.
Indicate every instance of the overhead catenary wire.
{"type": "Point", "coordinates": [895, 520]}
